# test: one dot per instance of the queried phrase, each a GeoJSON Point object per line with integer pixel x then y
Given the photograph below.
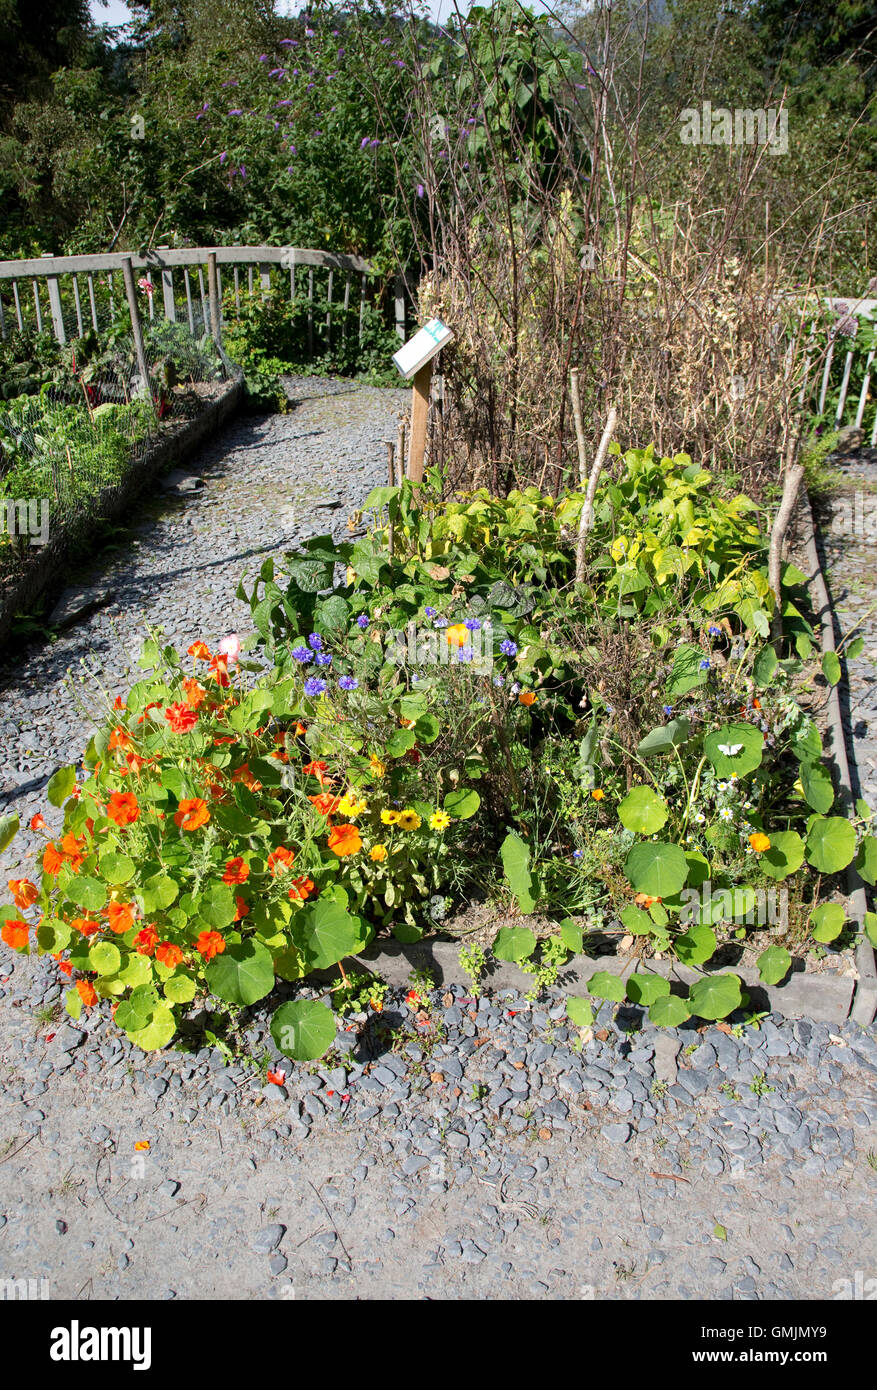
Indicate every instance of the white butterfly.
{"type": "Point", "coordinates": [730, 750]}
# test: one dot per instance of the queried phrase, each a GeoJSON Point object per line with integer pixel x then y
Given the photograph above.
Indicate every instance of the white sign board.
{"type": "Point", "coordinates": [422, 347]}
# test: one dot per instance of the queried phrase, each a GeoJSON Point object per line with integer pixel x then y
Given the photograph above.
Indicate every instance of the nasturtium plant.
{"type": "Point", "coordinates": [831, 844]}
{"type": "Point", "coordinates": [656, 868]}
{"type": "Point", "coordinates": [643, 810]}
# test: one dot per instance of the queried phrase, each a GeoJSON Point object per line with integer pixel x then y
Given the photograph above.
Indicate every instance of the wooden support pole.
{"type": "Point", "coordinates": [215, 301]}
{"type": "Point", "coordinates": [400, 455]}
{"type": "Point", "coordinates": [131, 292]}
{"type": "Point", "coordinates": [53, 285]}
{"type": "Point", "coordinates": [791, 487]}
{"type": "Point", "coordinates": [587, 518]}
{"type": "Point", "coordinates": [167, 291]}
{"type": "Point", "coordinates": [419, 416]}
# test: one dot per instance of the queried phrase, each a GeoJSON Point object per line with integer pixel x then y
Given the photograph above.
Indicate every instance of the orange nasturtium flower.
{"type": "Point", "coordinates": [121, 917]}
{"type": "Point", "coordinates": [192, 814]}
{"type": "Point", "coordinates": [280, 860]}
{"type": "Point", "coordinates": [200, 651]}
{"type": "Point", "coordinates": [181, 718]}
{"type": "Point", "coordinates": [325, 803]}
{"type": "Point", "coordinates": [527, 697]}
{"type": "Point", "coordinates": [14, 934]}
{"type": "Point", "coordinates": [378, 853]}
{"type": "Point", "coordinates": [195, 693]}
{"type": "Point", "coordinates": [643, 900]}
{"type": "Point", "coordinates": [123, 808]}
{"type": "Point", "coordinates": [597, 794]}
{"type": "Point", "coordinates": [301, 887]}
{"type": "Point", "coordinates": [119, 738]}
{"type": "Point", "coordinates": [141, 1144]}
{"type": "Point", "coordinates": [87, 992]}
{"type": "Point", "coordinates": [24, 893]}
{"type": "Point", "coordinates": [168, 954]}
{"type": "Point", "coordinates": [209, 944]}
{"type": "Point", "coordinates": [457, 635]}
{"type": "Point", "coordinates": [318, 770]}
{"type": "Point", "coordinates": [71, 852]}
{"type": "Point", "coordinates": [52, 859]}
{"type": "Point", "coordinates": [38, 822]}
{"type": "Point", "coordinates": [146, 941]}
{"type": "Point", "coordinates": [236, 871]}
{"type": "Point", "coordinates": [344, 839]}
{"type": "Point", "coordinates": [242, 908]}
{"type": "Point", "coordinates": [759, 842]}
{"type": "Point", "coordinates": [86, 926]}
{"type": "Point", "coordinates": [63, 965]}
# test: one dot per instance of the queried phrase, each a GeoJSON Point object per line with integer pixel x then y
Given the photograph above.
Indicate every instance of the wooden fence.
{"type": "Point", "coordinates": [854, 387]}
{"type": "Point", "coordinates": [62, 288]}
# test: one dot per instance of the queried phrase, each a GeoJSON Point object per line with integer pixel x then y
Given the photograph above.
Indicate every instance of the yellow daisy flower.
{"type": "Point", "coordinates": [351, 805]}
{"type": "Point", "coordinates": [597, 794]}
{"type": "Point", "coordinates": [389, 817]}
{"type": "Point", "coordinates": [377, 767]}
{"type": "Point", "coordinates": [439, 820]}
{"type": "Point", "coordinates": [378, 853]}
{"type": "Point", "coordinates": [409, 820]}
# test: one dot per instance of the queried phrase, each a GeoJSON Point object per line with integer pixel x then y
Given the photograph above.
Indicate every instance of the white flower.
{"type": "Point", "coordinates": [699, 818]}
{"type": "Point", "coordinates": [726, 813]}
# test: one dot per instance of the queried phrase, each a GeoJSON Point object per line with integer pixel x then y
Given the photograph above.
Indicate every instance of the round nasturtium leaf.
{"type": "Point", "coordinates": [866, 859]}
{"type": "Point", "coordinates": [644, 988]}
{"type": "Point", "coordinates": [325, 933]}
{"type": "Point", "coordinates": [303, 1029]}
{"type": "Point", "coordinates": [643, 810]}
{"type": "Point", "coordinates": [117, 868]}
{"type": "Point", "coordinates": [580, 1011]}
{"type": "Point", "coordinates": [9, 828]}
{"type": "Point", "coordinates": [828, 921]}
{"type": "Point", "coordinates": [87, 892]}
{"type": "Point", "coordinates": [698, 868]}
{"type": "Point", "coordinates": [696, 946]}
{"type": "Point", "coordinates": [570, 935]}
{"type": "Point", "coordinates": [656, 868]}
{"type": "Point", "coordinates": [637, 922]}
{"type": "Point", "coordinates": [180, 989]}
{"type": "Point", "coordinates": [462, 804]}
{"type": "Point", "coordinates": [785, 856]}
{"type": "Point", "coordinates": [243, 974]}
{"type": "Point", "coordinates": [605, 985]}
{"type": "Point", "coordinates": [514, 943]}
{"type": "Point", "coordinates": [831, 844]}
{"type": "Point", "coordinates": [53, 935]}
{"type": "Point", "coordinates": [715, 996]}
{"type": "Point", "coordinates": [668, 1011]}
{"type": "Point", "coordinates": [773, 964]}
{"type": "Point", "coordinates": [105, 958]}
{"type": "Point", "coordinates": [158, 1031]}
{"type": "Point", "coordinates": [817, 786]}
{"type": "Point", "coordinates": [734, 748]}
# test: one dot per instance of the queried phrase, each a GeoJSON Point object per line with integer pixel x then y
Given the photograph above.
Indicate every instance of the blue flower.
{"type": "Point", "coordinates": [498, 681]}
{"type": "Point", "coordinates": [714, 631]}
{"type": "Point", "coordinates": [508, 647]}
{"type": "Point", "coordinates": [704, 665]}
{"type": "Point", "coordinates": [315, 641]}
{"type": "Point", "coordinates": [577, 853]}
{"type": "Point", "coordinates": [440, 622]}
{"type": "Point", "coordinates": [668, 709]}
{"type": "Point", "coordinates": [324, 658]}
{"type": "Point", "coordinates": [430, 612]}
{"type": "Point", "coordinates": [362, 621]}
{"type": "Point", "coordinates": [348, 683]}
{"type": "Point", "coordinates": [472, 624]}
{"type": "Point", "coordinates": [315, 686]}
{"type": "Point", "coordinates": [516, 688]}
{"type": "Point", "coordinates": [302, 653]}
{"type": "Point", "coordinates": [465, 654]}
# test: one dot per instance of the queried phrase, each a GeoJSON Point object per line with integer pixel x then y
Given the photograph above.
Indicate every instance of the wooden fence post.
{"type": "Point", "coordinates": [215, 301]}
{"type": "Point", "coordinates": [136, 330]}
{"type": "Point", "coordinates": [53, 285]}
{"type": "Point", "coordinates": [399, 303]}
{"type": "Point", "coordinates": [167, 291]}
{"type": "Point", "coordinates": [419, 415]}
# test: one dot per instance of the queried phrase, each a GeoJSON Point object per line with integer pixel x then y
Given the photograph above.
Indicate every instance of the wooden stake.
{"type": "Point", "coordinates": [215, 299]}
{"type": "Point", "coordinates": [391, 474]}
{"type": "Point", "coordinates": [587, 518]}
{"type": "Point", "coordinates": [793, 478]}
{"type": "Point", "coordinates": [419, 416]}
{"type": "Point", "coordinates": [137, 331]}
{"type": "Point", "coordinates": [400, 453]}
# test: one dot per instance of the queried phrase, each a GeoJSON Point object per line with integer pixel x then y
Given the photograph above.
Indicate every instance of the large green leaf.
{"type": "Point", "coordinates": [158, 1031]}
{"type": "Point", "coordinates": [644, 988]}
{"type": "Point", "coordinates": [325, 933]}
{"type": "Point", "coordinates": [117, 868]}
{"type": "Point", "coordinates": [818, 789]}
{"type": "Point", "coordinates": [665, 738]}
{"type": "Point", "coordinates": [785, 856]}
{"type": "Point", "coordinates": [643, 810]}
{"type": "Point", "coordinates": [605, 985]}
{"type": "Point", "coordinates": [668, 1011]}
{"type": "Point", "coordinates": [637, 922]}
{"type": "Point", "coordinates": [831, 667]}
{"type": "Point", "coordinates": [715, 996]}
{"type": "Point", "coordinates": [657, 869]}
{"type": "Point", "coordinates": [866, 859]}
{"type": "Point", "coordinates": [105, 958]}
{"type": "Point", "coordinates": [400, 742]}
{"type": "Point", "coordinates": [61, 785]}
{"type": "Point", "coordinates": [829, 920]}
{"type": "Point", "coordinates": [734, 748]}
{"type": "Point", "coordinates": [9, 828]}
{"type": "Point", "coordinates": [87, 892]}
{"type": "Point", "coordinates": [462, 804]}
{"type": "Point", "coordinates": [515, 854]}
{"type": "Point", "coordinates": [158, 893]}
{"type": "Point", "coordinates": [217, 906]}
{"type": "Point", "coordinates": [243, 974]}
{"type": "Point", "coordinates": [580, 1011]}
{"type": "Point", "coordinates": [696, 945]}
{"type": "Point", "coordinates": [764, 666]}
{"type": "Point", "coordinates": [303, 1030]}
{"type": "Point", "coordinates": [831, 844]}
{"type": "Point", "coordinates": [686, 671]}
{"type": "Point", "coordinates": [514, 943]}
{"type": "Point", "coordinates": [773, 964]}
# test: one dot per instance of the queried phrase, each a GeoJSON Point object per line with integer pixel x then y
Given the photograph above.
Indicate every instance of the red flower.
{"type": "Point", "coordinates": [168, 954]}
{"type": "Point", "coordinates": [87, 992]}
{"type": "Point", "coordinates": [181, 718]}
{"type": "Point", "coordinates": [146, 941]}
{"type": "Point", "coordinates": [276, 1078]}
{"type": "Point", "coordinates": [209, 944]}
{"type": "Point", "coordinates": [345, 839]}
{"type": "Point", "coordinates": [280, 860]}
{"type": "Point", "coordinates": [123, 808]}
{"type": "Point", "coordinates": [38, 822]}
{"type": "Point", "coordinates": [200, 651]}
{"type": "Point", "coordinates": [236, 871]}
{"type": "Point", "coordinates": [85, 926]}
{"type": "Point", "coordinates": [325, 803]}
{"type": "Point", "coordinates": [24, 893]}
{"type": "Point", "coordinates": [195, 693]}
{"type": "Point", "coordinates": [192, 814]}
{"type": "Point", "coordinates": [301, 888]}
{"type": "Point", "coordinates": [14, 933]}
{"type": "Point", "coordinates": [242, 908]}
{"type": "Point", "coordinates": [121, 917]}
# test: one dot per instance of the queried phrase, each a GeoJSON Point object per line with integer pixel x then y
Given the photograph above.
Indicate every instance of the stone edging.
{"type": "Point", "coordinates": [864, 1004]}
{"type": "Point", "coordinates": [44, 572]}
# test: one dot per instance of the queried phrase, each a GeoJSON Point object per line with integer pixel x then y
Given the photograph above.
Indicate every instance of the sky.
{"type": "Point", "coordinates": [116, 12]}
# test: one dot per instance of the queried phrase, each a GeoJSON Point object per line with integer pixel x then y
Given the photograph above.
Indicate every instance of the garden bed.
{"type": "Point", "coordinates": [39, 572]}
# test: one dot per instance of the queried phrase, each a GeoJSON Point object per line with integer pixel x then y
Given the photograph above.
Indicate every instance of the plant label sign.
{"type": "Point", "coordinates": [422, 348]}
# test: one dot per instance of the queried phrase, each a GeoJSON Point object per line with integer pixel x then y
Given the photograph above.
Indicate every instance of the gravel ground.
{"type": "Point", "coordinates": [471, 1148]}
